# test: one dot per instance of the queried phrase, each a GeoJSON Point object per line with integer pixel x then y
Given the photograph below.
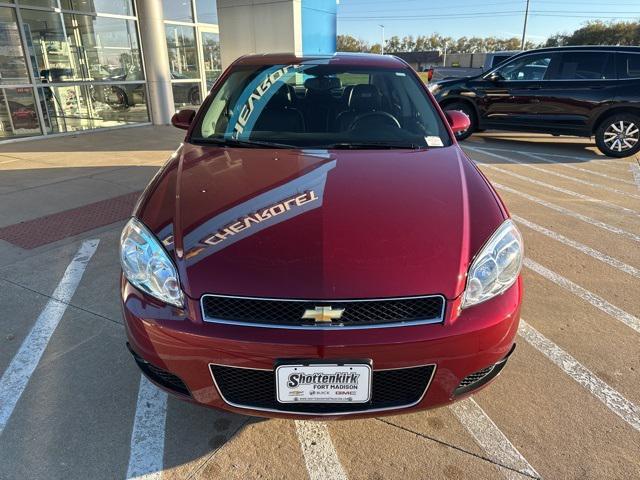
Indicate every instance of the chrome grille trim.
{"type": "Point", "coordinates": [439, 319]}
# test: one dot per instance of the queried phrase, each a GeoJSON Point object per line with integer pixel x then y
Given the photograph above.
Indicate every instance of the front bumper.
{"type": "Point", "coordinates": [170, 340]}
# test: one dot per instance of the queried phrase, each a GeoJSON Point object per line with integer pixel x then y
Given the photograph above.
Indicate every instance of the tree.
{"type": "Point", "coordinates": [599, 33]}
{"type": "Point", "coordinates": [347, 43]}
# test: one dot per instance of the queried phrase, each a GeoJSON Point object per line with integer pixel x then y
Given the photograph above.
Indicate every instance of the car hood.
{"type": "Point", "coordinates": [320, 224]}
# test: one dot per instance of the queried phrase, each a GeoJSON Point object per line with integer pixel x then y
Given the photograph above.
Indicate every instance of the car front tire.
{"type": "Point", "coordinates": [469, 112]}
{"type": "Point", "coordinates": [619, 135]}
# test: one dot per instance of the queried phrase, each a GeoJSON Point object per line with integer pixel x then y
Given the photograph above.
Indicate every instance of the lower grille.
{"type": "Point", "coordinates": [160, 376]}
{"type": "Point", "coordinates": [355, 313]}
{"type": "Point", "coordinates": [481, 377]}
{"type": "Point", "coordinates": [256, 389]}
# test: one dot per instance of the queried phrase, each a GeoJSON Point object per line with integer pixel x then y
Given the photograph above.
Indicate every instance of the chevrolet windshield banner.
{"type": "Point", "coordinates": [255, 96]}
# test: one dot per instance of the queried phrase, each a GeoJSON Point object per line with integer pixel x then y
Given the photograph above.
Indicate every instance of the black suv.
{"type": "Point", "coordinates": [583, 91]}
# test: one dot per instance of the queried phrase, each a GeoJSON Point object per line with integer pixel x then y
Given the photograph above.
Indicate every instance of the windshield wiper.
{"type": "Point", "coordinates": [234, 142]}
{"type": "Point", "coordinates": [370, 146]}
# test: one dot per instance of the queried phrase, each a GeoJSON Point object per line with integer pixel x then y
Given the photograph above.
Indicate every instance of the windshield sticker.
{"type": "Point", "coordinates": [255, 96]}
{"type": "Point", "coordinates": [433, 141]}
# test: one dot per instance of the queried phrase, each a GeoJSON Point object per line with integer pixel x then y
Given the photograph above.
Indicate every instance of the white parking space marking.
{"type": "Point", "coordinates": [570, 213]}
{"type": "Point", "coordinates": [629, 320]}
{"type": "Point", "coordinates": [635, 171]}
{"type": "Point", "coordinates": [603, 257]}
{"type": "Point", "coordinates": [320, 456]}
{"type": "Point", "coordinates": [496, 445]}
{"type": "Point", "coordinates": [545, 171]}
{"type": "Point", "coordinates": [590, 160]}
{"type": "Point", "coordinates": [622, 407]}
{"type": "Point", "coordinates": [571, 193]}
{"type": "Point", "coordinates": [16, 377]}
{"type": "Point", "coordinates": [147, 437]}
{"type": "Point", "coordinates": [563, 164]}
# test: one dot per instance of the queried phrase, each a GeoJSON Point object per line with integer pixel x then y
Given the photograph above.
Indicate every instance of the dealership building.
{"type": "Point", "coordinates": [77, 65]}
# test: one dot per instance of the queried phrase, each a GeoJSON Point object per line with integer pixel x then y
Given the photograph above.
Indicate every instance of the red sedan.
{"type": "Point", "coordinates": [320, 245]}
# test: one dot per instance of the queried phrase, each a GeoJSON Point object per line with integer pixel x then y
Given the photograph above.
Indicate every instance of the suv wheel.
{"type": "Point", "coordinates": [619, 135]}
{"type": "Point", "coordinates": [468, 111]}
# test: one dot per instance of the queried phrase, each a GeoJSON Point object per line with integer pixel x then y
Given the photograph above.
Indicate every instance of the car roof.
{"type": "Point", "coordinates": [600, 48]}
{"type": "Point", "coordinates": [348, 59]}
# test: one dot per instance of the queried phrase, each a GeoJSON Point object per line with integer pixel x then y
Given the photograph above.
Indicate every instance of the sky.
{"type": "Point", "coordinates": [457, 18]}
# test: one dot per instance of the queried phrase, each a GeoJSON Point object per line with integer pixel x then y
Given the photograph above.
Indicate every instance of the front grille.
{"type": "Point", "coordinates": [256, 389]}
{"type": "Point", "coordinates": [357, 313]}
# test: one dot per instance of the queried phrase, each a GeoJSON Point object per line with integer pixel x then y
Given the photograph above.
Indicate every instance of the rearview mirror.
{"type": "Point", "coordinates": [458, 121]}
{"type": "Point", "coordinates": [183, 118]}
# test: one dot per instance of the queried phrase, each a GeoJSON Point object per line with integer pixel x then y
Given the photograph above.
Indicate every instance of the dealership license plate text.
{"type": "Point", "coordinates": [319, 383]}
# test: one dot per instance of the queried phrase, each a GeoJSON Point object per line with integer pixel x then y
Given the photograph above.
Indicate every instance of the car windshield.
{"type": "Point", "coordinates": [321, 106]}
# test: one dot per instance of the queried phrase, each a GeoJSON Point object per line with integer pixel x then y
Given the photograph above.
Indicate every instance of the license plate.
{"type": "Point", "coordinates": [324, 383]}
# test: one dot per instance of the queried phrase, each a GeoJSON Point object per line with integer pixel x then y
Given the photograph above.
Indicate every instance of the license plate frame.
{"type": "Point", "coordinates": [320, 389]}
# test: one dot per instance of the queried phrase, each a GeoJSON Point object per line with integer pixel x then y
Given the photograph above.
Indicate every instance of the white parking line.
{"type": "Point", "coordinates": [635, 171]}
{"type": "Point", "coordinates": [524, 178]}
{"type": "Point", "coordinates": [603, 257]}
{"type": "Point", "coordinates": [629, 320]}
{"type": "Point", "coordinates": [563, 164]}
{"type": "Point", "coordinates": [16, 377]}
{"type": "Point", "coordinates": [496, 445]}
{"type": "Point", "coordinates": [570, 213]}
{"type": "Point", "coordinates": [600, 160]}
{"type": "Point", "coordinates": [622, 407]}
{"type": "Point", "coordinates": [147, 438]}
{"type": "Point", "coordinates": [599, 186]}
{"type": "Point", "coordinates": [320, 456]}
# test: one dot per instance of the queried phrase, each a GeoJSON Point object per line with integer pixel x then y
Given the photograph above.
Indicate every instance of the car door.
{"type": "Point", "coordinates": [507, 96]}
{"type": "Point", "coordinates": [580, 85]}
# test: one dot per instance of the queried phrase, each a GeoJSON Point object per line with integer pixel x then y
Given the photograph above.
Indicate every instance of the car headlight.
{"type": "Point", "coordinates": [496, 267]}
{"type": "Point", "coordinates": [146, 264]}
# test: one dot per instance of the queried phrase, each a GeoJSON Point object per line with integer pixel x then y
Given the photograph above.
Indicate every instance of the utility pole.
{"type": "Point", "coordinates": [524, 28]}
{"type": "Point", "coordinates": [382, 44]}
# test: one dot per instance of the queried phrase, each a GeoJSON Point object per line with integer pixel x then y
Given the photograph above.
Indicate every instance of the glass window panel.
{"type": "Point", "coordinates": [178, 10]}
{"type": "Point", "coordinates": [47, 46]}
{"type": "Point", "coordinates": [40, 3]}
{"type": "Point", "coordinates": [13, 66]}
{"type": "Point", "coordinates": [84, 107]}
{"type": "Point", "coordinates": [18, 117]}
{"type": "Point", "coordinates": [207, 11]}
{"type": "Point", "coordinates": [211, 52]}
{"type": "Point", "coordinates": [186, 94]}
{"type": "Point", "coordinates": [183, 55]}
{"type": "Point", "coordinates": [104, 48]}
{"type": "Point", "coordinates": [118, 7]}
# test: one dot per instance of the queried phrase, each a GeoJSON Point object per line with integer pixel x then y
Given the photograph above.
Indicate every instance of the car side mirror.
{"type": "Point", "coordinates": [494, 77]}
{"type": "Point", "coordinates": [183, 118]}
{"type": "Point", "coordinates": [458, 121]}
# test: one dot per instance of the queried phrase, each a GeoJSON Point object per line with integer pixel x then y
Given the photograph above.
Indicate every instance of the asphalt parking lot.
{"type": "Point", "coordinates": [74, 405]}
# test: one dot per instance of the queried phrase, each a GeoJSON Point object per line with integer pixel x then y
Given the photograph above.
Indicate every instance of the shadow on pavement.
{"type": "Point", "coordinates": [149, 138]}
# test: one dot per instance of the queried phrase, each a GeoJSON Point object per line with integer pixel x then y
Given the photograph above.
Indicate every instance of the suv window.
{"type": "Point", "coordinates": [629, 65]}
{"type": "Point", "coordinates": [528, 67]}
{"type": "Point", "coordinates": [585, 66]}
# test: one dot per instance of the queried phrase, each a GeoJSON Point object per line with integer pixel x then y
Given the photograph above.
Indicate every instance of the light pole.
{"type": "Point", "coordinates": [524, 28]}
{"type": "Point", "coordinates": [382, 44]}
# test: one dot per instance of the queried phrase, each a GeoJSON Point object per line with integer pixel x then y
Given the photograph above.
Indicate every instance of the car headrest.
{"type": "Point", "coordinates": [321, 84]}
{"type": "Point", "coordinates": [284, 96]}
{"type": "Point", "coordinates": [365, 98]}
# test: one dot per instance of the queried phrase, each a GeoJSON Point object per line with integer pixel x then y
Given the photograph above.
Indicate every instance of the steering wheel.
{"type": "Point", "coordinates": [385, 116]}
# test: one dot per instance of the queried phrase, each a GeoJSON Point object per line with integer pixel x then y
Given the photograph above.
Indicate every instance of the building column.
{"type": "Point", "coordinates": [156, 60]}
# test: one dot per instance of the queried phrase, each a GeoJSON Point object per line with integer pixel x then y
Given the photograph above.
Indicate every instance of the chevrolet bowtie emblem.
{"type": "Point", "coordinates": [323, 314]}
